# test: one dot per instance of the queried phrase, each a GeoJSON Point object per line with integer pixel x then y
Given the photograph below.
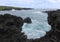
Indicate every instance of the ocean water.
{"type": "Point", "coordinates": [39, 25]}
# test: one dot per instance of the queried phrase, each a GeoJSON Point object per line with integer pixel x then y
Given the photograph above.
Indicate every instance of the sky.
{"type": "Point", "coordinates": [31, 3]}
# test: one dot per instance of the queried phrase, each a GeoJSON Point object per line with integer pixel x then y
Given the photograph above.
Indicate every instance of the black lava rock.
{"type": "Point", "coordinates": [27, 20]}
{"type": "Point", "coordinates": [54, 34]}
{"type": "Point", "coordinates": [54, 21]}
{"type": "Point", "coordinates": [10, 29]}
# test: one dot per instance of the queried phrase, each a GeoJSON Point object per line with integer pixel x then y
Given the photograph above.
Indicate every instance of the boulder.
{"type": "Point", "coordinates": [27, 20]}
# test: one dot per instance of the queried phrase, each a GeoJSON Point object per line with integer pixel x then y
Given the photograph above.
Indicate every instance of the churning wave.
{"type": "Point", "coordinates": [39, 25]}
{"type": "Point", "coordinates": [37, 12]}
{"type": "Point", "coordinates": [36, 29]}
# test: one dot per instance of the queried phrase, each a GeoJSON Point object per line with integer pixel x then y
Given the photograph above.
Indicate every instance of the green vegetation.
{"type": "Point", "coordinates": [10, 8]}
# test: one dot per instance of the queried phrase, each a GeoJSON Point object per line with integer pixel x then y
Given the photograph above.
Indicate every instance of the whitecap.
{"type": "Point", "coordinates": [37, 12]}
{"type": "Point", "coordinates": [36, 29]}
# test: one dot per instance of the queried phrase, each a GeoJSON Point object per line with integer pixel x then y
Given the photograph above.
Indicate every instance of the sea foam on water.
{"type": "Point", "coordinates": [36, 29]}
{"type": "Point", "coordinates": [39, 25]}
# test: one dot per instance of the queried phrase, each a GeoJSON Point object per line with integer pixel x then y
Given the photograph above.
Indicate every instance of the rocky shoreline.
{"type": "Point", "coordinates": [11, 27]}
{"type": "Point", "coordinates": [54, 21]}
{"type": "Point", "coordinates": [8, 8]}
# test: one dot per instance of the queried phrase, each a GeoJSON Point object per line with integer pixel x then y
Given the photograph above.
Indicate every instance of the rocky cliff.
{"type": "Point", "coordinates": [54, 34]}
{"type": "Point", "coordinates": [10, 29]}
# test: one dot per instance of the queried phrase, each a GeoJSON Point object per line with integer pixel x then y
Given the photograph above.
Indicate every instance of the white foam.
{"type": "Point", "coordinates": [39, 25]}
{"type": "Point", "coordinates": [36, 29]}
{"type": "Point", "coordinates": [37, 12]}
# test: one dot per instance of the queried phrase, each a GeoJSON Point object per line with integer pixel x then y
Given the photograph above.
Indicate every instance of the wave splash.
{"type": "Point", "coordinates": [36, 29]}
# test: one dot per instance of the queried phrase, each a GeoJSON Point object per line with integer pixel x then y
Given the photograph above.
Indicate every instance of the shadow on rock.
{"type": "Point", "coordinates": [10, 29]}
{"type": "Point", "coordinates": [27, 20]}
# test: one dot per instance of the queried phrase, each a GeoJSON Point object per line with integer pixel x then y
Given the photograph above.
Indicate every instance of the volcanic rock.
{"type": "Point", "coordinates": [10, 29]}
{"type": "Point", "coordinates": [27, 20]}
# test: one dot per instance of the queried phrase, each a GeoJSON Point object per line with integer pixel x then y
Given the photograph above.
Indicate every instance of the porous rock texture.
{"type": "Point", "coordinates": [54, 34]}
{"type": "Point", "coordinates": [54, 21]}
{"type": "Point", "coordinates": [27, 20]}
{"type": "Point", "coordinates": [10, 29]}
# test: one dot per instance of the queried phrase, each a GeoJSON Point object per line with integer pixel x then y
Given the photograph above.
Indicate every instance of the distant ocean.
{"type": "Point", "coordinates": [39, 25]}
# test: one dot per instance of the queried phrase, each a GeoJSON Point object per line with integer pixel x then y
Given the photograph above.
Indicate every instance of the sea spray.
{"type": "Point", "coordinates": [38, 28]}
{"type": "Point", "coordinates": [35, 29]}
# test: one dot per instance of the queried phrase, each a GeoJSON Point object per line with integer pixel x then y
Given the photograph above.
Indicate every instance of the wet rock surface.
{"type": "Point", "coordinates": [10, 29]}
{"type": "Point", "coordinates": [27, 20]}
{"type": "Point", "coordinates": [54, 21]}
{"type": "Point", "coordinates": [54, 34]}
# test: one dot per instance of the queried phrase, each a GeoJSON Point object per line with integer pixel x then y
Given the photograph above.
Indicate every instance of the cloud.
{"type": "Point", "coordinates": [23, 3]}
{"type": "Point", "coordinates": [31, 3]}
{"type": "Point", "coordinates": [18, 1]}
{"type": "Point", "coordinates": [54, 1]}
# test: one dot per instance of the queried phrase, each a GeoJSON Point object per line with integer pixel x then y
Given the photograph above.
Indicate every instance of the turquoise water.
{"type": "Point", "coordinates": [39, 25]}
